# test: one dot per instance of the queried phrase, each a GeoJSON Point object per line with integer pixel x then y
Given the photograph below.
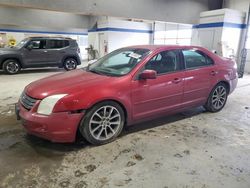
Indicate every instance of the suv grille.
{"type": "Point", "coordinates": [27, 102]}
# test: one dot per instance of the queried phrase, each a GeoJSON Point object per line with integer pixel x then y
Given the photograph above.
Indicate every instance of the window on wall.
{"type": "Point", "coordinates": [172, 33]}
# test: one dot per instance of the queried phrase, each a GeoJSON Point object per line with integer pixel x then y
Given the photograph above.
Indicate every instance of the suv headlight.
{"type": "Point", "coordinates": [47, 104]}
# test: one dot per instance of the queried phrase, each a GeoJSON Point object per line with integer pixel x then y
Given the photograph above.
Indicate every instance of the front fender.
{"type": "Point", "coordinates": [85, 100]}
{"type": "Point", "coordinates": [4, 57]}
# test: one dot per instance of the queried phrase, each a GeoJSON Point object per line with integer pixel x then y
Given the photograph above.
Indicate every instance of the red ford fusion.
{"type": "Point", "coordinates": [127, 86]}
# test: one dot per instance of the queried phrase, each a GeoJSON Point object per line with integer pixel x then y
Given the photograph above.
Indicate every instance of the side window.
{"type": "Point", "coordinates": [38, 44]}
{"type": "Point", "coordinates": [55, 44]}
{"type": "Point", "coordinates": [195, 59]}
{"type": "Point", "coordinates": [164, 62]}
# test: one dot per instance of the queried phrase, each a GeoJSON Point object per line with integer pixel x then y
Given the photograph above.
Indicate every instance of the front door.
{"type": "Point", "coordinates": [37, 54]}
{"type": "Point", "coordinates": [163, 94]}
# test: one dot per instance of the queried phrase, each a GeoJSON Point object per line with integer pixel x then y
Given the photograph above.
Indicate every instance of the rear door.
{"type": "Point", "coordinates": [56, 50]}
{"type": "Point", "coordinates": [163, 94]}
{"type": "Point", "coordinates": [199, 78]}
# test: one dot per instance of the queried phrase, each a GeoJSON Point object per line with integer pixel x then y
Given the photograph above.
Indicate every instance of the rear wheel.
{"type": "Point", "coordinates": [217, 98]}
{"type": "Point", "coordinates": [103, 123]}
{"type": "Point", "coordinates": [11, 66]}
{"type": "Point", "coordinates": [70, 64]}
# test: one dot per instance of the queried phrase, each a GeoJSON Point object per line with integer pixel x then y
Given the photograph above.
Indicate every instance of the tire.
{"type": "Point", "coordinates": [100, 128]}
{"type": "Point", "coordinates": [69, 64]}
{"type": "Point", "coordinates": [11, 66]}
{"type": "Point", "coordinates": [217, 98]}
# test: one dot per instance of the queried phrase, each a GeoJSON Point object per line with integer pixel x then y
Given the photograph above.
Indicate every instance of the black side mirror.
{"type": "Point", "coordinates": [30, 47]}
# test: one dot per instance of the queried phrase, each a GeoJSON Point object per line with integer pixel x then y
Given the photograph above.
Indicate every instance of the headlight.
{"type": "Point", "coordinates": [47, 104]}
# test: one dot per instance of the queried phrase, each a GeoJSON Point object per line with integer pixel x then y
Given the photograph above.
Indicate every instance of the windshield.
{"type": "Point", "coordinates": [22, 43]}
{"type": "Point", "coordinates": [119, 62]}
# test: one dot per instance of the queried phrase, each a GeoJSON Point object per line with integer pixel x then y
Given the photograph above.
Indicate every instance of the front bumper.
{"type": "Point", "coordinates": [57, 127]}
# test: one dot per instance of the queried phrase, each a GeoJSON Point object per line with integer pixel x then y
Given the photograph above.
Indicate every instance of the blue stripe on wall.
{"type": "Point", "coordinates": [42, 32]}
{"type": "Point", "coordinates": [220, 24]}
{"type": "Point", "coordinates": [120, 30]}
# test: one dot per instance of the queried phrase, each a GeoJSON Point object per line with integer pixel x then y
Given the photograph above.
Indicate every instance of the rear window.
{"type": "Point", "coordinates": [54, 44]}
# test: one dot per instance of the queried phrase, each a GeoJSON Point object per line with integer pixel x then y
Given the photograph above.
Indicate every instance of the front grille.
{"type": "Point", "coordinates": [27, 101]}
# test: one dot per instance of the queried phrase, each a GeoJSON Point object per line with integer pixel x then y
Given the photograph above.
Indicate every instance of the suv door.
{"type": "Point", "coordinates": [200, 77]}
{"type": "Point", "coordinates": [35, 53]}
{"type": "Point", "coordinates": [163, 94]}
{"type": "Point", "coordinates": [57, 50]}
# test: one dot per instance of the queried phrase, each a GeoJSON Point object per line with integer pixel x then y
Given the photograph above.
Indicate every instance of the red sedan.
{"type": "Point", "coordinates": [128, 85]}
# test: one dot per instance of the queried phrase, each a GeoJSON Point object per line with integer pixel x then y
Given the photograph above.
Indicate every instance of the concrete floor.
{"type": "Point", "coordinates": [191, 149]}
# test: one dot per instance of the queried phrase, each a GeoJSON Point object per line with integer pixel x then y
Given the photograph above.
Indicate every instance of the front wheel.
{"type": "Point", "coordinates": [70, 64]}
{"type": "Point", "coordinates": [217, 98]}
{"type": "Point", "coordinates": [103, 123]}
{"type": "Point", "coordinates": [11, 66]}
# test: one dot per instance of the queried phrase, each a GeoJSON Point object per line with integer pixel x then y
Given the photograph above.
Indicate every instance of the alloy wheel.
{"type": "Point", "coordinates": [219, 97]}
{"type": "Point", "coordinates": [12, 67]}
{"type": "Point", "coordinates": [70, 64]}
{"type": "Point", "coordinates": [105, 123]}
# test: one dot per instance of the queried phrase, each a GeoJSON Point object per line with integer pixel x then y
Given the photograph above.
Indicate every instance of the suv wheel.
{"type": "Point", "coordinates": [102, 123]}
{"type": "Point", "coordinates": [217, 98]}
{"type": "Point", "coordinates": [11, 66]}
{"type": "Point", "coordinates": [70, 64]}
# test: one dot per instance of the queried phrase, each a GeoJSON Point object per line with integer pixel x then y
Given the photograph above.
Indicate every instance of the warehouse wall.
{"type": "Point", "coordinates": [241, 5]}
{"type": "Point", "coordinates": [112, 33]}
{"type": "Point", "coordinates": [220, 30]}
{"type": "Point", "coordinates": [162, 10]}
{"type": "Point", "coordinates": [135, 33]}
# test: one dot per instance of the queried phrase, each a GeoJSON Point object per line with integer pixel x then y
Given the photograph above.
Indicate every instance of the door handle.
{"type": "Point", "coordinates": [176, 80]}
{"type": "Point", "coordinates": [213, 73]}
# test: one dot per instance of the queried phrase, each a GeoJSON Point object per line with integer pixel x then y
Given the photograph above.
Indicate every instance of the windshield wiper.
{"type": "Point", "coordinates": [102, 73]}
{"type": "Point", "coordinates": [95, 71]}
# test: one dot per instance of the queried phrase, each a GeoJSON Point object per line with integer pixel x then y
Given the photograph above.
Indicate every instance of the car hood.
{"type": "Point", "coordinates": [8, 50]}
{"type": "Point", "coordinates": [65, 83]}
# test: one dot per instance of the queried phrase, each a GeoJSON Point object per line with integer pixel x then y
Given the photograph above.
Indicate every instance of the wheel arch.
{"type": "Point", "coordinates": [14, 58]}
{"type": "Point", "coordinates": [70, 56]}
{"type": "Point", "coordinates": [77, 133]}
{"type": "Point", "coordinates": [226, 84]}
{"type": "Point", "coordinates": [113, 100]}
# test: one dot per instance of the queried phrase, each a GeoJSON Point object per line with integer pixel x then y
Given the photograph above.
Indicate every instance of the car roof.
{"type": "Point", "coordinates": [159, 47]}
{"type": "Point", "coordinates": [48, 37]}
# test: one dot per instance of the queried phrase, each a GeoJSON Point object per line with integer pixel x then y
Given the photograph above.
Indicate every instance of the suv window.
{"type": "Point", "coordinates": [38, 44]}
{"type": "Point", "coordinates": [164, 62]}
{"type": "Point", "coordinates": [53, 44]}
{"type": "Point", "coordinates": [195, 59]}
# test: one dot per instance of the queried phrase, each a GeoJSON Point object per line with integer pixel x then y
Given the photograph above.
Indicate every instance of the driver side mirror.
{"type": "Point", "coordinates": [148, 74]}
{"type": "Point", "coordinates": [30, 47]}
